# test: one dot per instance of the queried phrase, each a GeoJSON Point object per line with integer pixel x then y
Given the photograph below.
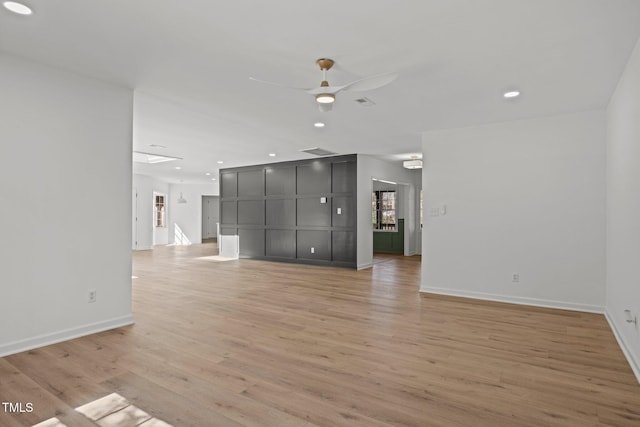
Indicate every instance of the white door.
{"type": "Point", "coordinates": [210, 216]}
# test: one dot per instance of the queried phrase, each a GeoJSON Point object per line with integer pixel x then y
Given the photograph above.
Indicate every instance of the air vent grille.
{"type": "Point", "coordinates": [318, 151]}
{"type": "Point", "coordinates": [365, 102]}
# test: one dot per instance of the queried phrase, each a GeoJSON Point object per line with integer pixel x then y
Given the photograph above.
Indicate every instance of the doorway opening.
{"type": "Point", "coordinates": [210, 218]}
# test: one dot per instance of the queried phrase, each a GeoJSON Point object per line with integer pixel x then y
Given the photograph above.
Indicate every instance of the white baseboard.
{"type": "Point", "coordinates": [635, 365]}
{"type": "Point", "coordinates": [64, 335]}
{"type": "Point", "coordinates": [364, 266]}
{"type": "Point", "coordinates": [516, 300]}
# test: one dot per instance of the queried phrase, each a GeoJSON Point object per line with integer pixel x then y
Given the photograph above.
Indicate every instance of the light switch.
{"type": "Point", "coordinates": [339, 211]}
{"type": "Point", "coordinates": [323, 200]}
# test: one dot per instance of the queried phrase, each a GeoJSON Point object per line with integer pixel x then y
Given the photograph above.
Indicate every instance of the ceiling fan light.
{"type": "Point", "coordinates": [325, 98]}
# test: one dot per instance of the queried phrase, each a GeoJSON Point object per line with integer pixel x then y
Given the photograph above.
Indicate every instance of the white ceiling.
{"type": "Point", "coordinates": [189, 62]}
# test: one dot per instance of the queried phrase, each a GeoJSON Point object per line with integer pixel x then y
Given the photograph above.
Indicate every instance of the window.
{"type": "Point", "coordinates": [159, 209]}
{"type": "Point", "coordinates": [383, 207]}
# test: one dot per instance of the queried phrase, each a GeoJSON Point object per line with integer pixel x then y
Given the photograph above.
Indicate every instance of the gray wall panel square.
{"type": "Point", "coordinates": [281, 212]}
{"type": "Point", "coordinates": [318, 240]}
{"type": "Point", "coordinates": [251, 242]}
{"type": "Point", "coordinates": [343, 177]}
{"type": "Point", "coordinates": [280, 181]}
{"type": "Point", "coordinates": [281, 243]}
{"type": "Point", "coordinates": [251, 212]}
{"type": "Point", "coordinates": [250, 183]}
{"type": "Point", "coordinates": [343, 246]}
{"type": "Point", "coordinates": [347, 215]}
{"type": "Point", "coordinates": [311, 212]}
{"type": "Point", "coordinates": [314, 178]}
{"type": "Point", "coordinates": [228, 184]}
{"type": "Point", "coordinates": [228, 212]}
{"type": "Point", "coordinates": [228, 231]}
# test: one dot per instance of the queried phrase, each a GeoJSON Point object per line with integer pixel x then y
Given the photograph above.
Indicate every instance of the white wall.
{"type": "Point", "coordinates": [65, 205]}
{"type": "Point", "coordinates": [623, 209]}
{"type": "Point", "coordinates": [145, 233]}
{"type": "Point", "coordinates": [185, 219]}
{"type": "Point", "coordinates": [524, 197]}
{"type": "Point", "coordinates": [369, 168]}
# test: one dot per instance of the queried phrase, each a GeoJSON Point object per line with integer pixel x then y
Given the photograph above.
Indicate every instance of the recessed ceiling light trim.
{"type": "Point", "coordinates": [19, 8]}
{"type": "Point", "coordinates": [319, 124]}
{"type": "Point", "coordinates": [511, 94]}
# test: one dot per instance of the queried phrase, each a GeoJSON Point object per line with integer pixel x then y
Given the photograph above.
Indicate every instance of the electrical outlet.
{"type": "Point", "coordinates": [313, 250]}
{"type": "Point", "coordinates": [515, 278]}
{"type": "Point", "coordinates": [92, 295]}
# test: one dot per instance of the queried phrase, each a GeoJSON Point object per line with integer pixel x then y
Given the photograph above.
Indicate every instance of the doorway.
{"type": "Point", "coordinates": [210, 217]}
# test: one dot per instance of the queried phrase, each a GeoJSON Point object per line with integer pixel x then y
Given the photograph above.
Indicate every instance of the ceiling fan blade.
{"type": "Point", "coordinates": [370, 83]}
{"type": "Point", "coordinates": [325, 89]}
{"type": "Point", "coordinates": [278, 84]}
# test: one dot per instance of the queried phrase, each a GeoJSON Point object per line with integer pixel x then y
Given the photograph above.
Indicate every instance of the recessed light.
{"type": "Point", "coordinates": [272, 154]}
{"type": "Point", "coordinates": [213, 179]}
{"type": "Point", "coordinates": [220, 162]}
{"type": "Point", "coordinates": [207, 173]}
{"type": "Point", "coordinates": [511, 94]}
{"type": "Point", "coordinates": [18, 8]}
{"type": "Point", "coordinates": [178, 167]}
{"type": "Point", "coordinates": [319, 124]}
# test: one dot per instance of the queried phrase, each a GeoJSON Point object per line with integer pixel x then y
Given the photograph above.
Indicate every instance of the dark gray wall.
{"type": "Point", "coordinates": [302, 211]}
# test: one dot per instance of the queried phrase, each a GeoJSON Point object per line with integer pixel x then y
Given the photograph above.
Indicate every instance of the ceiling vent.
{"type": "Point", "coordinates": [365, 102]}
{"type": "Point", "coordinates": [318, 151]}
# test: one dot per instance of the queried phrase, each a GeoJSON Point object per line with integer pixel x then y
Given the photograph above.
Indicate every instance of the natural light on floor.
{"type": "Point", "coordinates": [216, 258]}
{"type": "Point", "coordinates": [111, 411]}
{"type": "Point", "coordinates": [179, 237]}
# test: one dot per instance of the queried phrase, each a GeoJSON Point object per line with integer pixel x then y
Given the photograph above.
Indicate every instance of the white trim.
{"type": "Point", "coordinates": [365, 266]}
{"type": "Point", "coordinates": [64, 335]}
{"type": "Point", "coordinates": [562, 305]}
{"type": "Point", "coordinates": [635, 365]}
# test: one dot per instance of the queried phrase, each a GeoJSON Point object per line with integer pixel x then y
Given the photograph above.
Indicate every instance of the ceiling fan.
{"type": "Point", "coordinates": [325, 94]}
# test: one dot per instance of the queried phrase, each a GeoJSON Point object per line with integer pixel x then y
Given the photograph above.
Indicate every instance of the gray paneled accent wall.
{"type": "Point", "coordinates": [302, 211]}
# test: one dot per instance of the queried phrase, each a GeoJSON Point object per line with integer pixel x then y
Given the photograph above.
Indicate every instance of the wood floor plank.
{"type": "Point", "coordinates": [253, 343]}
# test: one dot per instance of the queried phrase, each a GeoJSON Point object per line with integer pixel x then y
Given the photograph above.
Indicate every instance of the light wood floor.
{"type": "Point", "coordinates": [241, 342]}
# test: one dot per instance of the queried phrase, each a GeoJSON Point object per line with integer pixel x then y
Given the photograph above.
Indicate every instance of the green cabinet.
{"type": "Point", "coordinates": [389, 241]}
